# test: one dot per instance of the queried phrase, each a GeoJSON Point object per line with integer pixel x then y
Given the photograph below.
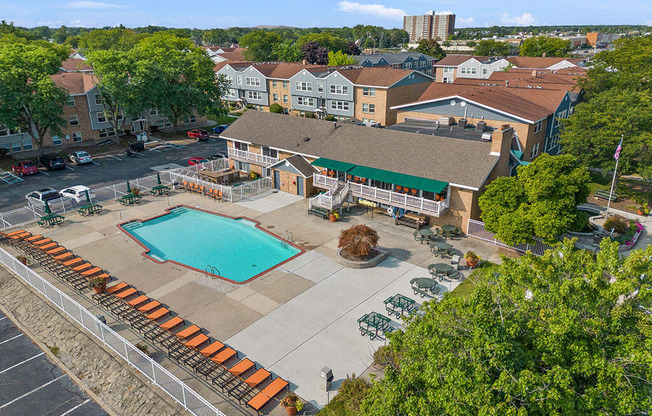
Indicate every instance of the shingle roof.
{"type": "Point", "coordinates": [74, 82]}
{"type": "Point", "coordinates": [377, 76]}
{"type": "Point", "coordinates": [301, 164]}
{"type": "Point", "coordinates": [458, 161]}
{"type": "Point", "coordinates": [455, 60]}
{"type": "Point", "coordinates": [392, 58]}
{"type": "Point", "coordinates": [524, 78]}
{"type": "Point", "coordinates": [74, 64]}
{"type": "Point", "coordinates": [532, 62]}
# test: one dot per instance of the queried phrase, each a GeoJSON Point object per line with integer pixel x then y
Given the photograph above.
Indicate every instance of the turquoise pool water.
{"type": "Point", "coordinates": [234, 247]}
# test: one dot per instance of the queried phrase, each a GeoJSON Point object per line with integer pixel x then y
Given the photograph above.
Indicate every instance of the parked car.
{"type": "Point", "coordinates": [219, 129]}
{"type": "Point", "coordinates": [218, 155]}
{"type": "Point", "coordinates": [81, 157]}
{"type": "Point", "coordinates": [52, 162]}
{"type": "Point", "coordinates": [38, 198]}
{"type": "Point", "coordinates": [25, 167]}
{"type": "Point", "coordinates": [196, 161]}
{"type": "Point", "coordinates": [76, 193]}
{"type": "Point", "coordinates": [198, 134]}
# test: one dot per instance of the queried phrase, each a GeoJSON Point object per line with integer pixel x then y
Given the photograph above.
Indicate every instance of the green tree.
{"type": "Point", "coordinates": [121, 39]}
{"type": "Point", "coordinates": [430, 47]}
{"type": "Point", "coordinates": [540, 201]}
{"type": "Point", "coordinates": [10, 29]}
{"type": "Point", "coordinates": [339, 58]}
{"type": "Point", "coordinates": [60, 35]}
{"type": "Point", "coordinates": [177, 78]}
{"type": "Point", "coordinates": [327, 40]}
{"type": "Point", "coordinates": [288, 51]}
{"type": "Point", "coordinates": [214, 37]}
{"type": "Point", "coordinates": [565, 333]}
{"type": "Point", "coordinates": [260, 45]}
{"type": "Point", "coordinates": [29, 99]}
{"type": "Point", "coordinates": [491, 47]}
{"type": "Point", "coordinates": [545, 46]}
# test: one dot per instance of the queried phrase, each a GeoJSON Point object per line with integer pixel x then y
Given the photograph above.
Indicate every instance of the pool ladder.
{"type": "Point", "coordinates": [287, 237]}
{"type": "Point", "coordinates": [212, 270]}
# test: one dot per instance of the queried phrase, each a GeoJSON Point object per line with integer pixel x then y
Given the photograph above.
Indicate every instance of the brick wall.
{"type": "Point", "coordinates": [402, 95]}
{"type": "Point", "coordinates": [280, 91]}
{"type": "Point", "coordinates": [379, 100]}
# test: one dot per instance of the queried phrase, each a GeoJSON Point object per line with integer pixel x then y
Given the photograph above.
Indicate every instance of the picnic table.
{"type": "Point", "coordinates": [130, 199]}
{"type": "Point", "coordinates": [89, 209]}
{"type": "Point", "coordinates": [449, 230]}
{"type": "Point", "coordinates": [398, 304]}
{"type": "Point", "coordinates": [160, 190]}
{"type": "Point", "coordinates": [440, 248]}
{"type": "Point", "coordinates": [424, 286]}
{"type": "Point", "coordinates": [440, 269]}
{"type": "Point", "coordinates": [373, 322]}
{"type": "Point", "coordinates": [50, 220]}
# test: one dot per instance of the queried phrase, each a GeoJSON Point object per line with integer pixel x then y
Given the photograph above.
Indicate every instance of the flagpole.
{"type": "Point", "coordinates": [613, 181]}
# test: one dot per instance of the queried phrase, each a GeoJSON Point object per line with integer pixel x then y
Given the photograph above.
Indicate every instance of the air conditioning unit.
{"type": "Point", "coordinates": [445, 121]}
{"type": "Point", "coordinates": [486, 137]}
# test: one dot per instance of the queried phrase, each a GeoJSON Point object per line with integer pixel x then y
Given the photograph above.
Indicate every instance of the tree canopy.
{"type": "Point", "coordinates": [314, 53]}
{"type": "Point", "coordinates": [545, 46]}
{"type": "Point", "coordinates": [565, 333]}
{"type": "Point", "coordinates": [339, 58]}
{"type": "Point", "coordinates": [329, 41]}
{"type": "Point", "coordinates": [430, 47]}
{"type": "Point", "coordinates": [618, 101]}
{"type": "Point", "coordinates": [491, 47]}
{"type": "Point", "coordinates": [105, 39]}
{"type": "Point", "coordinates": [260, 45]}
{"type": "Point", "coordinates": [541, 201]}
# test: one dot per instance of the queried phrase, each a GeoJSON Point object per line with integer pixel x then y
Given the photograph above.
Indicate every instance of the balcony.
{"type": "Point", "coordinates": [323, 181]}
{"type": "Point", "coordinates": [255, 158]}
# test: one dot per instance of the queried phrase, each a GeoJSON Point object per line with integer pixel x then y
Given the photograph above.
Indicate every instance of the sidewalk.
{"type": "Point", "coordinates": [645, 239]}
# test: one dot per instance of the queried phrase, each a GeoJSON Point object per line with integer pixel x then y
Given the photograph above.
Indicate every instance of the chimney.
{"type": "Point", "coordinates": [506, 83]}
{"type": "Point", "coordinates": [304, 62]}
{"type": "Point", "coordinates": [501, 140]}
{"type": "Point", "coordinates": [534, 73]}
{"type": "Point", "coordinates": [543, 55]}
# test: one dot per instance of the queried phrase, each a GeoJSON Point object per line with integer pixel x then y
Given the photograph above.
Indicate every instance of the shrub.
{"type": "Point", "coordinates": [3, 151]}
{"type": "Point", "coordinates": [385, 356]}
{"type": "Point", "coordinates": [618, 224]}
{"type": "Point", "coordinates": [580, 222]}
{"type": "Point", "coordinates": [329, 118]}
{"type": "Point", "coordinates": [276, 108]}
{"type": "Point", "coordinates": [353, 391]}
{"type": "Point", "coordinates": [310, 114]}
{"type": "Point", "coordinates": [358, 240]}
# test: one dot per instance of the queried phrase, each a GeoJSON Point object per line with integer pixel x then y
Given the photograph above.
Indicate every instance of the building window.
{"type": "Point", "coordinates": [462, 70]}
{"type": "Point", "coordinates": [275, 97]}
{"type": "Point", "coordinates": [153, 112]}
{"type": "Point", "coordinates": [339, 89]}
{"type": "Point", "coordinates": [71, 101]}
{"type": "Point", "coordinates": [252, 81]}
{"type": "Point", "coordinates": [56, 141]}
{"type": "Point", "coordinates": [473, 70]}
{"type": "Point", "coordinates": [101, 117]}
{"type": "Point", "coordinates": [254, 95]}
{"type": "Point", "coordinates": [304, 86]}
{"type": "Point", "coordinates": [559, 117]}
{"type": "Point", "coordinates": [27, 144]}
{"type": "Point", "coordinates": [269, 152]}
{"type": "Point", "coordinates": [340, 105]}
{"type": "Point", "coordinates": [98, 99]}
{"type": "Point", "coordinates": [16, 147]}
{"type": "Point", "coordinates": [320, 87]}
{"type": "Point", "coordinates": [74, 120]}
{"type": "Point", "coordinates": [535, 151]}
{"type": "Point", "coordinates": [408, 65]}
{"type": "Point", "coordinates": [449, 69]}
{"type": "Point", "coordinates": [274, 84]}
{"type": "Point", "coordinates": [241, 146]}
{"type": "Point", "coordinates": [368, 108]}
{"type": "Point", "coordinates": [285, 84]}
{"type": "Point", "coordinates": [538, 126]}
{"type": "Point", "coordinates": [285, 98]}
{"type": "Point", "coordinates": [77, 136]}
{"type": "Point", "coordinates": [107, 132]}
{"type": "Point", "coordinates": [3, 130]}
{"type": "Point", "coordinates": [368, 92]}
{"type": "Point", "coordinates": [228, 78]}
{"type": "Point", "coordinates": [484, 71]}
{"type": "Point", "coordinates": [243, 166]}
{"type": "Point", "coordinates": [306, 101]}
{"type": "Point", "coordinates": [239, 79]}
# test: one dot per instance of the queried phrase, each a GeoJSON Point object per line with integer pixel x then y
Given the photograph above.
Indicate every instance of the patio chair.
{"type": "Point", "coordinates": [163, 328]}
{"type": "Point", "coordinates": [235, 373]}
{"type": "Point", "coordinates": [250, 383]}
{"type": "Point", "coordinates": [109, 290]}
{"type": "Point", "coordinates": [202, 355]}
{"type": "Point", "coordinates": [267, 394]}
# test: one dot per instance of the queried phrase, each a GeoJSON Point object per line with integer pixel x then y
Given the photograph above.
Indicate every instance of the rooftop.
{"type": "Point", "coordinates": [74, 82]}
{"type": "Point", "coordinates": [432, 128]}
{"type": "Point", "coordinates": [75, 65]}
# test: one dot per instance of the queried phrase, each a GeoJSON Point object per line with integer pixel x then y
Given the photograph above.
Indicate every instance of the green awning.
{"type": "Point", "coordinates": [322, 162]}
{"type": "Point", "coordinates": [410, 181]}
{"type": "Point", "coordinates": [518, 154]}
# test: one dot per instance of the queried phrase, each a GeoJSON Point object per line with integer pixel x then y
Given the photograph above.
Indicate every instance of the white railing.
{"type": "Point", "coordinates": [476, 229]}
{"type": "Point", "coordinates": [256, 158]}
{"type": "Point", "coordinates": [331, 199]}
{"type": "Point", "coordinates": [413, 203]}
{"type": "Point", "coordinates": [323, 181]}
{"type": "Point", "coordinates": [177, 389]}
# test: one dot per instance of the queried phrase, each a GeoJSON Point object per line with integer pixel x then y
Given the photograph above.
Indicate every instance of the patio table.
{"type": "Point", "coordinates": [398, 304]}
{"type": "Point", "coordinates": [130, 199]}
{"type": "Point", "coordinates": [160, 190]}
{"type": "Point", "coordinates": [441, 248]}
{"type": "Point", "coordinates": [440, 269]}
{"type": "Point", "coordinates": [449, 230]}
{"type": "Point", "coordinates": [423, 286]}
{"type": "Point", "coordinates": [89, 209]}
{"type": "Point", "coordinates": [373, 322]}
{"type": "Point", "coordinates": [50, 220]}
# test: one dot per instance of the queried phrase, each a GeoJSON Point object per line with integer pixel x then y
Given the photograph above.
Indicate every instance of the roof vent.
{"type": "Point", "coordinates": [486, 137]}
{"type": "Point", "coordinates": [306, 139]}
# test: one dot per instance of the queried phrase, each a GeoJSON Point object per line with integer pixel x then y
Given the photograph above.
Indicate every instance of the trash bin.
{"type": "Point", "coordinates": [325, 379]}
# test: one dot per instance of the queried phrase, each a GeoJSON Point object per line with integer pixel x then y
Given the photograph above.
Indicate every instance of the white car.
{"type": "Point", "coordinates": [77, 193]}
{"type": "Point", "coordinates": [38, 198]}
{"type": "Point", "coordinates": [81, 157]}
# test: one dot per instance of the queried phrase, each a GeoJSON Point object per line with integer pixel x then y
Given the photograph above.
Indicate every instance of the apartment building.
{"type": "Point", "coordinates": [222, 54]}
{"type": "Point", "coordinates": [432, 25]}
{"type": "Point", "coordinates": [436, 175]}
{"type": "Point", "coordinates": [365, 94]}
{"type": "Point", "coordinates": [401, 60]}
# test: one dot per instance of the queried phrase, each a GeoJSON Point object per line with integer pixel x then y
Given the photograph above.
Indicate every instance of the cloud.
{"type": "Point", "coordinates": [370, 9]}
{"type": "Point", "coordinates": [525, 19]}
{"type": "Point", "coordinates": [92, 5]}
{"type": "Point", "coordinates": [444, 12]}
{"type": "Point", "coordinates": [469, 21]}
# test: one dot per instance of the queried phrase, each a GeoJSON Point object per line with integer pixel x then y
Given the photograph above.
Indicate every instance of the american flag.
{"type": "Point", "coordinates": [618, 149]}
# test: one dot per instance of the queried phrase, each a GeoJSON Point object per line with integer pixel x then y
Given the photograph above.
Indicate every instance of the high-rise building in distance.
{"type": "Point", "coordinates": [432, 25]}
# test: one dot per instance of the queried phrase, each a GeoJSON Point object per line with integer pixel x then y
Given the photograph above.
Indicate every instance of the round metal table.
{"type": "Point", "coordinates": [426, 232]}
{"type": "Point", "coordinates": [442, 268]}
{"type": "Point", "coordinates": [442, 246]}
{"type": "Point", "coordinates": [448, 228]}
{"type": "Point", "coordinates": [425, 283]}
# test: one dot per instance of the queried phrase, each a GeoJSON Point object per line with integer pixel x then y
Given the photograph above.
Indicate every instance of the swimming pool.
{"type": "Point", "coordinates": [234, 249]}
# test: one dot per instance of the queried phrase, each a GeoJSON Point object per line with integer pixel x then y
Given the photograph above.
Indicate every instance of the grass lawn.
{"type": "Point", "coordinates": [628, 190]}
{"type": "Point", "coordinates": [467, 286]}
{"type": "Point", "coordinates": [227, 119]}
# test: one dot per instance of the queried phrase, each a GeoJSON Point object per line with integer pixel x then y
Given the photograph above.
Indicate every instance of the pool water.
{"type": "Point", "coordinates": [234, 249]}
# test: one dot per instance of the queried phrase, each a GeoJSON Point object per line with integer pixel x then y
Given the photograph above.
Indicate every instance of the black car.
{"type": "Point", "coordinates": [51, 162]}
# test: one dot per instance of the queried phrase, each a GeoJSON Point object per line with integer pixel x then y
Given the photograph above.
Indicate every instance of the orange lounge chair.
{"type": "Point", "coordinates": [211, 349]}
{"type": "Point", "coordinates": [224, 355]}
{"type": "Point", "coordinates": [137, 301]}
{"type": "Point", "coordinates": [69, 263]}
{"type": "Point", "coordinates": [63, 256]}
{"type": "Point", "coordinates": [115, 288]}
{"type": "Point", "coordinates": [91, 272]}
{"type": "Point", "coordinates": [14, 233]}
{"type": "Point", "coordinates": [267, 394]}
{"type": "Point", "coordinates": [196, 341]}
{"type": "Point", "coordinates": [258, 377]}
{"type": "Point", "coordinates": [159, 313]}
{"type": "Point", "coordinates": [48, 246]}
{"type": "Point", "coordinates": [188, 332]}
{"type": "Point", "coordinates": [171, 323]}
{"type": "Point", "coordinates": [149, 307]}
{"type": "Point", "coordinates": [242, 367]}
{"type": "Point", "coordinates": [82, 267]}
{"type": "Point", "coordinates": [34, 238]}
{"type": "Point", "coordinates": [126, 293]}
{"type": "Point", "coordinates": [56, 250]}
{"type": "Point", "coordinates": [20, 236]}
{"type": "Point", "coordinates": [41, 242]}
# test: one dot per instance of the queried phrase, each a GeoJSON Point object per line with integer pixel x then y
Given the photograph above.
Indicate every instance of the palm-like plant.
{"type": "Point", "coordinates": [358, 240]}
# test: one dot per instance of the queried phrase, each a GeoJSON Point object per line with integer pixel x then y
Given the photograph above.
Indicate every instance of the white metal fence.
{"type": "Point", "coordinates": [476, 230]}
{"type": "Point", "coordinates": [158, 375]}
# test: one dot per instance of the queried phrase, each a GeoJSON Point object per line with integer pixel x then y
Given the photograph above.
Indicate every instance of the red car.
{"type": "Point", "coordinates": [196, 161]}
{"type": "Point", "coordinates": [198, 134]}
{"type": "Point", "coordinates": [25, 167]}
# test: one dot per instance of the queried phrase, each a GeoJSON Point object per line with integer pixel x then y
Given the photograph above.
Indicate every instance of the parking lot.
{"type": "Point", "coordinates": [31, 384]}
{"type": "Point", "coordinates": [105, 170]}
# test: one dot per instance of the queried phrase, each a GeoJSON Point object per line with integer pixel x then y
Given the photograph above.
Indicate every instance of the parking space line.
{"type": "Point", "coordinates": [68, 167]}
{"type": "Point", "coordinates": [44, 172]}
{"type": "Point", "coordinates": [30, 392]}
{"type": "Point", "coordinates": [20, 363]}
{"type": "Point", "coordinates": [116, 158]}
{"type": "Point", "coordinates": [154, 150]}
{"type": "Point", "coordinates": [76, 407]}
{"type": "Point", "coordinates": [7, 340]}
{"type": "Point", "coordinates": [95, 163]}
{"type": "Point", "coordinates": [3, 318]}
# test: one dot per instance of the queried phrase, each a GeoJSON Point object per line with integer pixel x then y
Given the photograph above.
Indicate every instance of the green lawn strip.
{"type": "Point", "coordinates": [467, 286]}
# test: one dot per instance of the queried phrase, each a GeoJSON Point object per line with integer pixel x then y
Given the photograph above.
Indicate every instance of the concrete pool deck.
{"type": "Point", "coordinates": [305, 309]}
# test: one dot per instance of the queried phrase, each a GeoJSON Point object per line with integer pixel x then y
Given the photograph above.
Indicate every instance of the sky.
{"type": "Point", "coordinates": [205, 14]}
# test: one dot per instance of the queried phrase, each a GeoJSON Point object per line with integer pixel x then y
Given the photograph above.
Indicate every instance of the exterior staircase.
{"type": "Point", "coordinates": [322, 204]}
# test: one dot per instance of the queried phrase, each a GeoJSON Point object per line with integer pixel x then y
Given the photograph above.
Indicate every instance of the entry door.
{"type": "Point", "coordinates": [277, 179]}
{"type": "Point", "coordinates": [300, 185]}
